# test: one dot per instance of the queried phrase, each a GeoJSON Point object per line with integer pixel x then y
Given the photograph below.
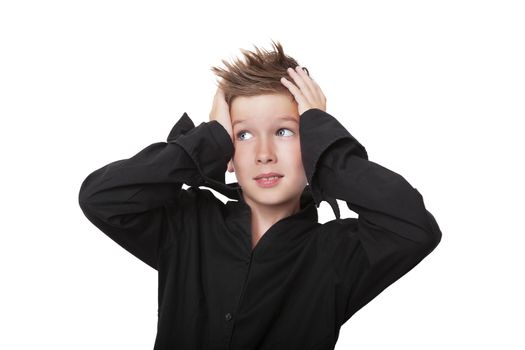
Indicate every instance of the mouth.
{"type": "Point", "coordinates": [268, 176]}
{"type": "Point", "coordinates": [269, 181]}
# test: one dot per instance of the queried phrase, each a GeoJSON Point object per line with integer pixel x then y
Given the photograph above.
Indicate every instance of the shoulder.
{"type": "Point", "coordinates": [339, 228]}
{"type": "Point", "coordinates": [192, 201]}
{"type": "Point", "coordinates": [195, 197]}
{"type": "Point", "coordinates": [186, 212]}
{"type": "Point", "coordinates": [336, 234]}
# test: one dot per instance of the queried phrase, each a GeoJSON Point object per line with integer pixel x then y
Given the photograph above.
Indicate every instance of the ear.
{"type": "Point", "coordinates": [231, 169]}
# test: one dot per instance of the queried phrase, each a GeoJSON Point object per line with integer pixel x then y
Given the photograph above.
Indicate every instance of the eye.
{"type": "Point", "coordinates": [240, 133]}
{"type": "Point", "coordinates": [286, 129]}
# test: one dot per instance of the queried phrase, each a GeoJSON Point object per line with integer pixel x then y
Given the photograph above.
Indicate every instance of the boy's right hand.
{"type": "Point", "coordinates": [220, 112]}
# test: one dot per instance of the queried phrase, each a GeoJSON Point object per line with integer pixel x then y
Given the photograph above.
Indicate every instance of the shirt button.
{"type": "Point", "coordinates": [228, 316]}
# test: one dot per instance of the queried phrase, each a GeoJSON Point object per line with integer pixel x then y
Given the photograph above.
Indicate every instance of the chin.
{"type": "Point", "coordinates": [264, 196]}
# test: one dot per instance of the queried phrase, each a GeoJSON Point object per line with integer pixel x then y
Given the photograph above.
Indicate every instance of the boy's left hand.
{"type": "Point", "coordinates": [306, 91]}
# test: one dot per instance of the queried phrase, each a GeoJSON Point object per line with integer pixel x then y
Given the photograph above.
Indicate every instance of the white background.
{"type": "Point", "coordinates": [434, 90]}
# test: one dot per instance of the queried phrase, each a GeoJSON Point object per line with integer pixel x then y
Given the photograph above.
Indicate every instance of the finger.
{"type": "Point", "coordinates": [316, 91]}
{"type": "Point", "coordinates": [307, 79]}
{"type": "Point", "coordinates": [296, 92]}
{"type": "Point", "coordinates": [300, 82]}
{"type": "Point", "coordinates": [298, 75]}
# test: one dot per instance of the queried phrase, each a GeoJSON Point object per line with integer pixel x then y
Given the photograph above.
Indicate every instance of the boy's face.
{"type": "Point", "coordinates": [264, 143]}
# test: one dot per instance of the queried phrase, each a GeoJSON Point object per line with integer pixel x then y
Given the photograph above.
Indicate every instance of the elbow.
{"type": "Point", "coordinates": [82, 197]}
{"type": "Point", "coordinates": [84, 194]}
{"type": "Point", "coordinates": [83, 202]}
{"type": "Point", "coordinates": [432, 242]}
{"type": "Point", "coordinates": [433, 234]}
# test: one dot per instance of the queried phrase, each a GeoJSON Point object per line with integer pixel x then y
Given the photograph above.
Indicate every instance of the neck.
{"type": "Point", "coordinates": [264, 216]}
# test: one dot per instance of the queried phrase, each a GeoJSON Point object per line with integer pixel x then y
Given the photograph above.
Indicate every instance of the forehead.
{"type": "Point", "coordinates": [267, 109]}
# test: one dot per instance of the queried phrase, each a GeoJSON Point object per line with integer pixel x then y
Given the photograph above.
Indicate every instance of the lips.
{"type": "Point", "coordinates": [267, 175]}
{"type": "Point", "coordinates": [268, 182]}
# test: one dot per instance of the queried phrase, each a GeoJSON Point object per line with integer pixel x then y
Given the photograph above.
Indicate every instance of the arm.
{"type": "Point", "coordinates": [127, 199]}
{"type": "Point", "coordinates": [393, 232]}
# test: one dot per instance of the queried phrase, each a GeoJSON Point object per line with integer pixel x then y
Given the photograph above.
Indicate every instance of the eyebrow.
{"type": "Point", "coordinates": [285, 118]}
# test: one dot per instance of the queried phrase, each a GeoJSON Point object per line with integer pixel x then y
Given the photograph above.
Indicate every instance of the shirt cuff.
{"type": "Point", "coordinates": [319, 130]}
{"type": "Point", "coordinates": [209, 145]}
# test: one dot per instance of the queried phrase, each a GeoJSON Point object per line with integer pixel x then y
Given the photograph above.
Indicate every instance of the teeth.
{"type": "Point", "coordinates": [268, 178]}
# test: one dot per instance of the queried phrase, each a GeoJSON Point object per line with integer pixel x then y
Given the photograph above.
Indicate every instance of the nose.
{"type": "Point", "coordinates": [265, 152]}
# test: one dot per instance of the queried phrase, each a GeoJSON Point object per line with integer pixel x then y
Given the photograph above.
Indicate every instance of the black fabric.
{"type": "Point", "coordinates": [302, 281]}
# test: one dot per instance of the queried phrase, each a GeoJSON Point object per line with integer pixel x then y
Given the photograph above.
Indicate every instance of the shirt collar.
{"type": "Point", "coordinates": [282, 237]}
{"type": "Point", "coordinates": [307, 211]}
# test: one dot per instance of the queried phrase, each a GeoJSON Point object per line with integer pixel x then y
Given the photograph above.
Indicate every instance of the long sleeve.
{"type": "Point", "coordinates": [128, 199]}
{"type": "Point", "coordinates": [393, 231]}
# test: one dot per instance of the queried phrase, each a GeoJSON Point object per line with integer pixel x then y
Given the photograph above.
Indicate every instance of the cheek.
{"type": "Point", "coordinates": [240, 160]}
{"type": "Point", "coordinates": [293, 156]}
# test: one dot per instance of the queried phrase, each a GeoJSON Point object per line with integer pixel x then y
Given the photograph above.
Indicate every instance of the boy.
{"type": "Point", "coordinates": [260, 272]}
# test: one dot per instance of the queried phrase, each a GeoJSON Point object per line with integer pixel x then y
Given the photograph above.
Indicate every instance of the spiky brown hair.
{"type": "Point", "coordinates": [259, 73]}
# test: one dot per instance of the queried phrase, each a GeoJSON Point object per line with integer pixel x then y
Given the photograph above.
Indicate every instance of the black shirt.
{"type": "Point", "coordinates": [302, 281]}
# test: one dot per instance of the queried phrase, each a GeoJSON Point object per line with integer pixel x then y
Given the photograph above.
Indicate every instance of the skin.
{"type": "Point", "coordinates": [263, 142]}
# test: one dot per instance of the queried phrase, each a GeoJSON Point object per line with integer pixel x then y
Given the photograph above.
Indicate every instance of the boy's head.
{"type": "Point", "coordinates": [265, 126]}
